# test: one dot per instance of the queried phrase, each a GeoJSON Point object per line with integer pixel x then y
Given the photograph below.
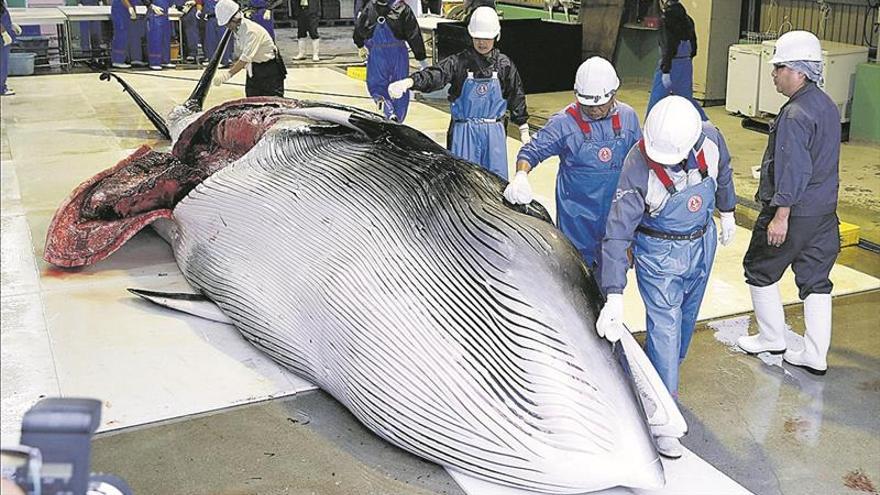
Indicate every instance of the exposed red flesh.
{"type": "Point", "coordinates": [107, 210]}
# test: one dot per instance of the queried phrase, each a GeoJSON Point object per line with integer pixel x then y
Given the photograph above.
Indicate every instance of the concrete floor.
{"type": "Point", "coordinates": [773, 430]}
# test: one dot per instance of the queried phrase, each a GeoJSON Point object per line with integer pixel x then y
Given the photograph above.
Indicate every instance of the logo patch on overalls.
{"type": "Point", "coordinates": [482, 89]}
{"type": "Point", "coordinates": [694, 203]}
{"type": "Point", "coordinates": [605, 154]}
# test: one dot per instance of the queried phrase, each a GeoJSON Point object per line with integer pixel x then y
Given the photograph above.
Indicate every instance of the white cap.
{"type": "Point", "coordinates": [672, 128]}
{"type": "Point", "coordinates": [484, 24]}
{"type": "Point", "coordinates": [595, 82]}
{"type": "Point", "coordinates": [224, 10]}
{"type": "Point", "coordinates": [797, 46]}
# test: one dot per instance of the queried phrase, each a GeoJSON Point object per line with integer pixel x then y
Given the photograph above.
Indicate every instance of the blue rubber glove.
{"type": "Point", "coordinates": [667, 81]}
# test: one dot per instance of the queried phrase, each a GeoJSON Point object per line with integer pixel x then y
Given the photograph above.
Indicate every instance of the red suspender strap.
{"type": "Point", "coordinates": [701, 164]}
{"type": "Point", "coordinates": [659, 170]}
{"type": "Point", "coordinates": [576, 115]}
{"type": "Point", "coordinates": [615, 124]}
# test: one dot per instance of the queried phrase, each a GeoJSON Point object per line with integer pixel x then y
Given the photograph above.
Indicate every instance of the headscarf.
{"type": "Point", "coordinates": [811, 69]}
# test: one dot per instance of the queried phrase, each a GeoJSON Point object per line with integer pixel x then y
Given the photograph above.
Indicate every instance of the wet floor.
{"type": "Point", "coordinates": [774, 429]}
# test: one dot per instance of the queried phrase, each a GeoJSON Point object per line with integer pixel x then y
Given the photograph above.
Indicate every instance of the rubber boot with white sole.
{"type": "Point", "coordinates": [771, 322]}
{"type": "Point", "coordinates": [300, 49]}
{"type": "Point", "coordinates": [315, 44]}
{"type": "Point", "coordinates": [669, 447]}
{"type": "Point", "coordinates": [817, 337]}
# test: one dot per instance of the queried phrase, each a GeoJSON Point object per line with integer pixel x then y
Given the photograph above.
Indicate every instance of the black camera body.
{"type": "Point", "coordinates": [56, 437]}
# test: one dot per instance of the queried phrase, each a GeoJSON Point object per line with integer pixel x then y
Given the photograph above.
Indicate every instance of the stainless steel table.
{"type": "Point", "coordinates": [47, 15]}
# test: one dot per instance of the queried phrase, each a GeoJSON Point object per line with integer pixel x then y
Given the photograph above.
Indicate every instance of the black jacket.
{"type": "Point", "coordinates": [453, 70]}
{"type": "Point", "coordinates": [400, 19]}
{"type": "Point", "coordinates": [678, 26]}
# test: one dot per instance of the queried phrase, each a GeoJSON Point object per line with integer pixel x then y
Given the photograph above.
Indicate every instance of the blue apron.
{"type": "Point", "coordinates": [585, 186]}
{"type": "Point", "coordinates": [681, 72]}
{"type": "Point", "coordinates": [478, 133]}
{"type": "Point", "coordinates": [388, 62]}
{"type": "Point", "coordinates": [159, 34]}
{"type": "Point", "coordinates": [673, 255]}
{"type": "Point", "coordinates": [6, 50]}
{"type": "Point", "coordinates": [259, 7]}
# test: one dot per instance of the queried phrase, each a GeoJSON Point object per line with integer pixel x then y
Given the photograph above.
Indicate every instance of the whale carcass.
{"type": "Point", "coordinates": [364, 257]}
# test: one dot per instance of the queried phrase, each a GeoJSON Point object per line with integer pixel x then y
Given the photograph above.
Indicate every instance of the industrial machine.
{"type": "Point", "coordinates": [744, 72]}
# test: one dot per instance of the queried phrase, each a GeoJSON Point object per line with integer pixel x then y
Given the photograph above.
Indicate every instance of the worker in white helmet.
{"type": "Point", "coordinates": [672, 181]}
{"type": "Point", "coordinates": [259, 55]}
{"type": "Point", "coordinates": [484, 86]}
{"type": "Point", "coordinates": [798, 224]}
{"type": "Point", "coordinates": [591, 137]}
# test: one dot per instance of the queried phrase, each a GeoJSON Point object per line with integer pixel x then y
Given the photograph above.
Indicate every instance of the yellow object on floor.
{"type": "Point", "coordinates": [358, 72]}
{"type": "Point", "coordinates": [849, 234]}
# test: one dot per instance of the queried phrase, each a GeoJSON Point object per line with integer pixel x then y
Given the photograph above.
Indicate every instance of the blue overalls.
{"type": "Point", "coordinates": [191, 34]}
{"type": "Point", "coordinates": [260, 7]}
{"type": "Point", "coordinates": [89, 31]}
{"type": "Point", "coordinates": [6, 20]}
{"type": "Point", "coordinates": [585, 186]}
{"type": "Point", "coordinates": [673, 253]}
{"type": "Point", "coordinates": [478, 133]}
{"type": "Point", "coordinates": [122, 27]}
{"type": "Point", "coordinates": [159, 34]}
{"type": "Point", "coordinates": [682, 75]}
{"type": "Point", "coordinates": [388, 62]}
{"type": "Point", "coordinates": [213, 34]}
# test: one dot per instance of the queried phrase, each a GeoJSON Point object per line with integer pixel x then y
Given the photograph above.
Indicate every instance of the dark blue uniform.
{"type": "Point", "coordinates": [800, 171]}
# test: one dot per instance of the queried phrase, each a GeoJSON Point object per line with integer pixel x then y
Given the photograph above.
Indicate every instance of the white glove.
{"type": "Point", "coordinates": [199, 15]}
{"type": "Point", "coordinates": [610, 323]}
{"type": "Point", "coordinates": [666, 79]}
{"type": "Point", "coordinates": [221, 78]}
{"type": "Point", "coordinates": [16, 29]}
{"type": "Point", "coordinates": [7, 40]}
{"type": "Point", "coordinates": [423, 64]}
{"type": "Point", "coordinates": [728, 227]}
{"type": "Point", "coordinates": [157, 10]}
{"type": "Point", "coordinates": [132, 14]}
{"type": "Point", "coordinates": [398, 88]}
{"type": "Point", "coordinates": [519, 191]}
{"type": "Point", "coordinates": [524, 134]}
{"type": "Point", "coordinates": [363, 52]}
{"type": "Point", "coordinates": [267, 15]}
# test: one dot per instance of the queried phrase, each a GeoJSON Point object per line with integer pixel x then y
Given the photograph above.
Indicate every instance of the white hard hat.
{"type": "Point", "coordinates": [484, 24]}
{"type": "Point", "coordinates": [595, 82]}
{"type": "Point", "coordinates": [672, 128]}
{"type": "Point", "coordinates": [797, 45]}
{"type": "Point", "coordinates": [224, 10]}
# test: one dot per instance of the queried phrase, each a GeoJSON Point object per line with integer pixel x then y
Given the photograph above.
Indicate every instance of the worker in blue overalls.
{"type": "Point", "coordinates": [159, 35]}
{"type": "Point", "coordinates": [261, 13]}
{"type": "Point", "coordinates": [123, 15]}
{"type": "Point", "coordinates": [671, 182]}
{"type": "Point", "coordinates": [381, 34]}
{"type": "Point", "coordinates": [213, 33]}
{"type": "Point", "coordinates": [191, 37]}
{"type": "Point", "coordinates": [678, 45]}
{"type": "Point", "coordinates": [484, 86]}
{"type": "Point", "coordinates": [89, 31]}
{"type": "Point", "coordinates": [9, 32]}
{"type": "Point", "coordinates": [591, 137]}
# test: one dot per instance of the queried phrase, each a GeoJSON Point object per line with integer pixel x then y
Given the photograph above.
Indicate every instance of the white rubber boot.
{"type": "Point", "coordinates": [300, 49]}
{"type": "Point", "coordinates": [771, 322]}
{"type": "Point", "coordinates": [817, 337]}
{"type": "Point", "coordinates": [315, 45]}
{"type": "Point", "coordinates": [669, 447]}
